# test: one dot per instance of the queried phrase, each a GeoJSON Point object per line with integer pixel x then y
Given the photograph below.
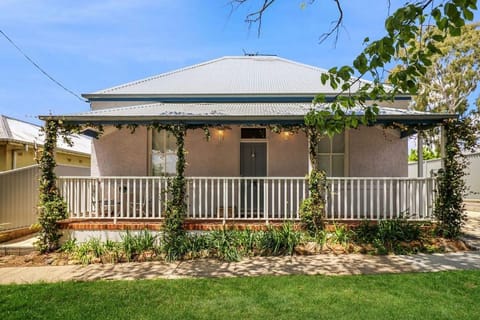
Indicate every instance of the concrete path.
{"type": "Point", "coordinates": [472, 230]}
{"type": "Point", "coordinates": [319, 264]}
{"type": "Point", "coordinates": [308, 265]}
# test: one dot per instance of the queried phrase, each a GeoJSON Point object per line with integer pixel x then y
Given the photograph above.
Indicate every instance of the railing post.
{"type": "Point", "coordinates": [225, 208]}
{"type": "Point", "coordinates": [265, 200]}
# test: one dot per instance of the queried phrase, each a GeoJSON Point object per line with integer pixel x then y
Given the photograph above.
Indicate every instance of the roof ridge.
{"type": "Point", "coordinates": [161, 75]}
{"type": "Point", "coordinates": [20, 120]}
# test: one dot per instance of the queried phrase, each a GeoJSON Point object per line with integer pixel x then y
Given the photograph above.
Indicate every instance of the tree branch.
{"type": "Point", "coordinates": [337, 24]}
{"type": "Point", "coordinates": [256, 16]}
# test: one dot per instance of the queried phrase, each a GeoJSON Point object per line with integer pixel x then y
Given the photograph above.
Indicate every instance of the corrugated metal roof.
{"type": "Point", "coordinates": [203, 109]}
{"type": "Point", "coordinates": [4, 131]}
{"type": "Point", "coordinates": [222, 110]}
{"type": "Point", "coordinates": [231, 75]}
{"type": "Point", "coordinates": [20, 131]}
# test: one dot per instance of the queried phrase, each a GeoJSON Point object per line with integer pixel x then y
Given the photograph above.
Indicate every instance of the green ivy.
{"type": "Point", "coordinates": [449, 208]}
{"type": "Point", "coordinates": [52, 207]}
{"type": "Point", "coordinates": [312, 209]}
{"type": "Point", "coordinates": [173, 230]}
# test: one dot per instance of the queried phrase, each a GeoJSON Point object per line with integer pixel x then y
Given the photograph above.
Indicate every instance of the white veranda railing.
{"type": "Point", "coordinates": [247, 198]}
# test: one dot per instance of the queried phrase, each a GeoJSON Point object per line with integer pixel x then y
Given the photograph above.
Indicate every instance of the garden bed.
{"type": "Point", "coordinates": [386, 237]}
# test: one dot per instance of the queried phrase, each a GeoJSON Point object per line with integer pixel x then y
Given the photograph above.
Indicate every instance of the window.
{"type": "Point", "coordinates": [253, 133]}
{"type": "Point", "coordinates": [331, 155]}
{"type": "Point", "coordinates": [164, 153]}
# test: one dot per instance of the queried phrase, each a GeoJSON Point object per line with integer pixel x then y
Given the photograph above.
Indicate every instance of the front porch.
{"type": "Point", "coordinates": [246, 199]}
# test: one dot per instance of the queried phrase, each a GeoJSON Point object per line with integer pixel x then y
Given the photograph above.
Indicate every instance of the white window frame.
{"type": "Point", "coordinates": [150, 148]}
{"type": "Point", "coordinates": [331, 153]}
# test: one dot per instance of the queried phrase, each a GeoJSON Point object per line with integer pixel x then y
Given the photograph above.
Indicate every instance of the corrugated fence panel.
{"type": "Point", "coordinates": [472, 179]}
{"type": "Point", "coordinates": [19, 194]}
{"type": "Point", "coordinates": [18, 197]}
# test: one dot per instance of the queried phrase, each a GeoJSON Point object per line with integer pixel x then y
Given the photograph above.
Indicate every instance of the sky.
{"type": "Point", "coordinates": [92, 45]}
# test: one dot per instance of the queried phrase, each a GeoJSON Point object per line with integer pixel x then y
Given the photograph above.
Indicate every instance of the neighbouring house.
{"type": "Point", "coordinates": [20, 141]}
{"type": "Point", "coordinates": [246, 171]}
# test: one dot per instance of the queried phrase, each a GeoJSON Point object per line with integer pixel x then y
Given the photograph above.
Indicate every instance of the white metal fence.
{"type": "Point", "coordinates": [247, 198]}
{"type": "Point", "coordinates": [19, 194]}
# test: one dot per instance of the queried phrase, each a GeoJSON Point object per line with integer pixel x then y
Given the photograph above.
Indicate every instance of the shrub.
{"type": "Point", "coordinates": [250, 241]}
{"type": "Point", "coordinates": [145, 241]}
{"type": "Point", "coordinates": [391, 232]}
{"type": "Point", "coordinates": [195, 244]}
{"type": "Point", "coordinates": [69, 246]}
{"type": "Point", "coordinates": [90, 250]}
{"type": "Point", "coordinates": [134, 245]}
{"type": "Point", "coordinates": [387, 235]}
{"type": "Point", "coordinates": [312, 209]}
{"type": "Point", "coordinates": [341, 234]}
{"type": "Point", "coordinates": [226, 244]}
{"type": "Point", "coordinates": [280, 241]}
{"type": "Point", "coordinates": [366, 232]}
{"type": "Point", "coordinates": [398, 230]}
{"type": "Point", "coordinates": [112, 253]}
{"type": "Point", "coordinates": [51, 212]}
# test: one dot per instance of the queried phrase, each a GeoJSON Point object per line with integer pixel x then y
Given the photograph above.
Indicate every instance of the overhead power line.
{"type": "Point", "coordinates": [40, 68]}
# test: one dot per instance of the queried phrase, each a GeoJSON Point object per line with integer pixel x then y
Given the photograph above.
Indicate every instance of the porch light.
{"type": "Point", "coordinates": [286, 134]}
{"type": "Point", "coordinates": [220, 133]}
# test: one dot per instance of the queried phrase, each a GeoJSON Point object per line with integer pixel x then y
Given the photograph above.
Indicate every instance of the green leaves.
{"type": "Point", "coordinates": [312, 209]}
{"type": "Point", "coordinates": [449, 209]}
{"type": "Point", "coordinates": [173, 231]}
{"type": "Point", "coordinates": [52, 207]}
{"type": "Point", "coordinates": [407, 42]}
{"type": "Point", "coordinates": [361, 63]}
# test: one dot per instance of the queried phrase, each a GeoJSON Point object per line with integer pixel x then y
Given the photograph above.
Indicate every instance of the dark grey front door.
{"type": "Point", "coordinates": [253, 163]}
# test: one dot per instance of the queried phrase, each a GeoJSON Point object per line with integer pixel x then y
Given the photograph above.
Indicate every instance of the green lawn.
{"type": "Point", "coordinates": [445, 295]}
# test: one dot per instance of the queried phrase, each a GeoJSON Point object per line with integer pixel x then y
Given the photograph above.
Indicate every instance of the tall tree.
{"type": "Point", "coordinates": [452, 78]}
{"type": "Point", "coordinates": [454, 74]}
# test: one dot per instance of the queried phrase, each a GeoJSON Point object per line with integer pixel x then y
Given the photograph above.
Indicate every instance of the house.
{"type": "Point", "coordinates": [246, 171]}
{"type": "Point", "coordinates": [20, 140]}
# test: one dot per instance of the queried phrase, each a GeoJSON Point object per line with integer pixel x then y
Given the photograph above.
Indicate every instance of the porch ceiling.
{"type": "Point", "coordinates": [233, 113]}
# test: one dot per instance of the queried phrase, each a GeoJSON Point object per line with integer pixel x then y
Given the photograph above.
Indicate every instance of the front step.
{"type": "Point", "coordinates": [20, 246]}
{"type": "Point", "coordinates": [16, 251]}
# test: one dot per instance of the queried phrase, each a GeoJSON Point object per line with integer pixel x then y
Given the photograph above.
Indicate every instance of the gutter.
{"type": "Point", "coordinates": [188, 119]}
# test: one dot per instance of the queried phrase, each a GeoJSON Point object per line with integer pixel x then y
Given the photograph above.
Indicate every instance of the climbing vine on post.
{"type": "Point", "coordinates": [312, 209]}
{"type": "Point", "coordinates": [173, 231]}
{"type": "Point", "coordinates": [52, 207]}
{"type": "Point", "coordinates": [449, 209]}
